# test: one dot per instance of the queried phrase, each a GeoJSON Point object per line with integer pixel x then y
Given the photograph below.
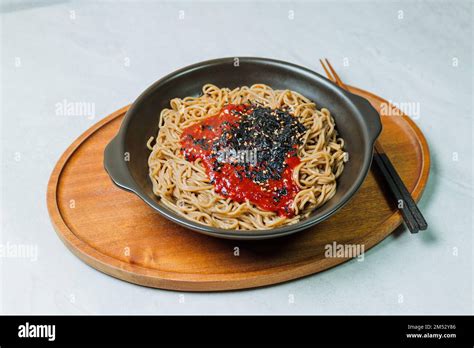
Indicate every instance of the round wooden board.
{"type": "Point", "coordinates": [115, 232]}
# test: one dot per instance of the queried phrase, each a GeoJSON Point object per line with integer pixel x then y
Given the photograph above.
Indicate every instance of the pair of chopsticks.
{"type": "Point", "coordinates": [412, 216]}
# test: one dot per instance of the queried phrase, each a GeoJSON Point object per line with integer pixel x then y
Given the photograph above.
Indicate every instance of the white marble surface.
{"type": "Point", "coordinates": [107, 53]}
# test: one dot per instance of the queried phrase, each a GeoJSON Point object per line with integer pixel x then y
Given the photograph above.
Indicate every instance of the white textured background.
{"type": "Point", "coordinates": [107, 53]}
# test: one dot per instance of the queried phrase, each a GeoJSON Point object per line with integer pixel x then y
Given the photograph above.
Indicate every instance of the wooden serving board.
{"type": "Point", "coordinates": [118, 234]}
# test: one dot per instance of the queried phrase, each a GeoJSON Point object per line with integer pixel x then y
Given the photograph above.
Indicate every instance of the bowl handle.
{"type": "Point", "coordinates": [116, 166]}
{"type": "Point", "coordinates": [371, 116]}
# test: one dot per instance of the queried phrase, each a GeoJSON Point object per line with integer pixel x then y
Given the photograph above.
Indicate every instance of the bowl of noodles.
{"type": "Point", "coordinates": [244, 148]}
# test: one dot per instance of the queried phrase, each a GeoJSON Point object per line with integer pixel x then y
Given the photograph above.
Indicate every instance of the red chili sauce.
{"type": "Point", "coordinates": [249, 153]}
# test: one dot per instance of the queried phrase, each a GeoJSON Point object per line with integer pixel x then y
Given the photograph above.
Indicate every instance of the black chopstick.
{"type": "Point", "coordinates": [405, 195]}
{"type": "Point", "coordinates": [409, 210]}
{"type": "Point", "coordinates": [408, 217]}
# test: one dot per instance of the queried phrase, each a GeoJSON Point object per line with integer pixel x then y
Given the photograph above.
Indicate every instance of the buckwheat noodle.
{"type": "Point", "coordinates": [184, 187]}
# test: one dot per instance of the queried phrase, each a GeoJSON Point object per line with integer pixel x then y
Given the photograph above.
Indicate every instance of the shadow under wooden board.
{"type": "Point", "coordinates": [115, 232]}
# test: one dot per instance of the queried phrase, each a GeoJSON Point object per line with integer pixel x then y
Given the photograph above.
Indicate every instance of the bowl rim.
{"type": "Point", "coordinates": [130, 184]}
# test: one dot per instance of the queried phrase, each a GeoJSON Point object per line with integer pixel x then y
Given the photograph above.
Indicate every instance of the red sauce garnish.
{"type": "Point", "coordinates": [227, 142]}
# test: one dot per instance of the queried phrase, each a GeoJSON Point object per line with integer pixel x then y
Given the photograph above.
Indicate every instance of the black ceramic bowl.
{"type": "Point", "coordinates": [356, 120]}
